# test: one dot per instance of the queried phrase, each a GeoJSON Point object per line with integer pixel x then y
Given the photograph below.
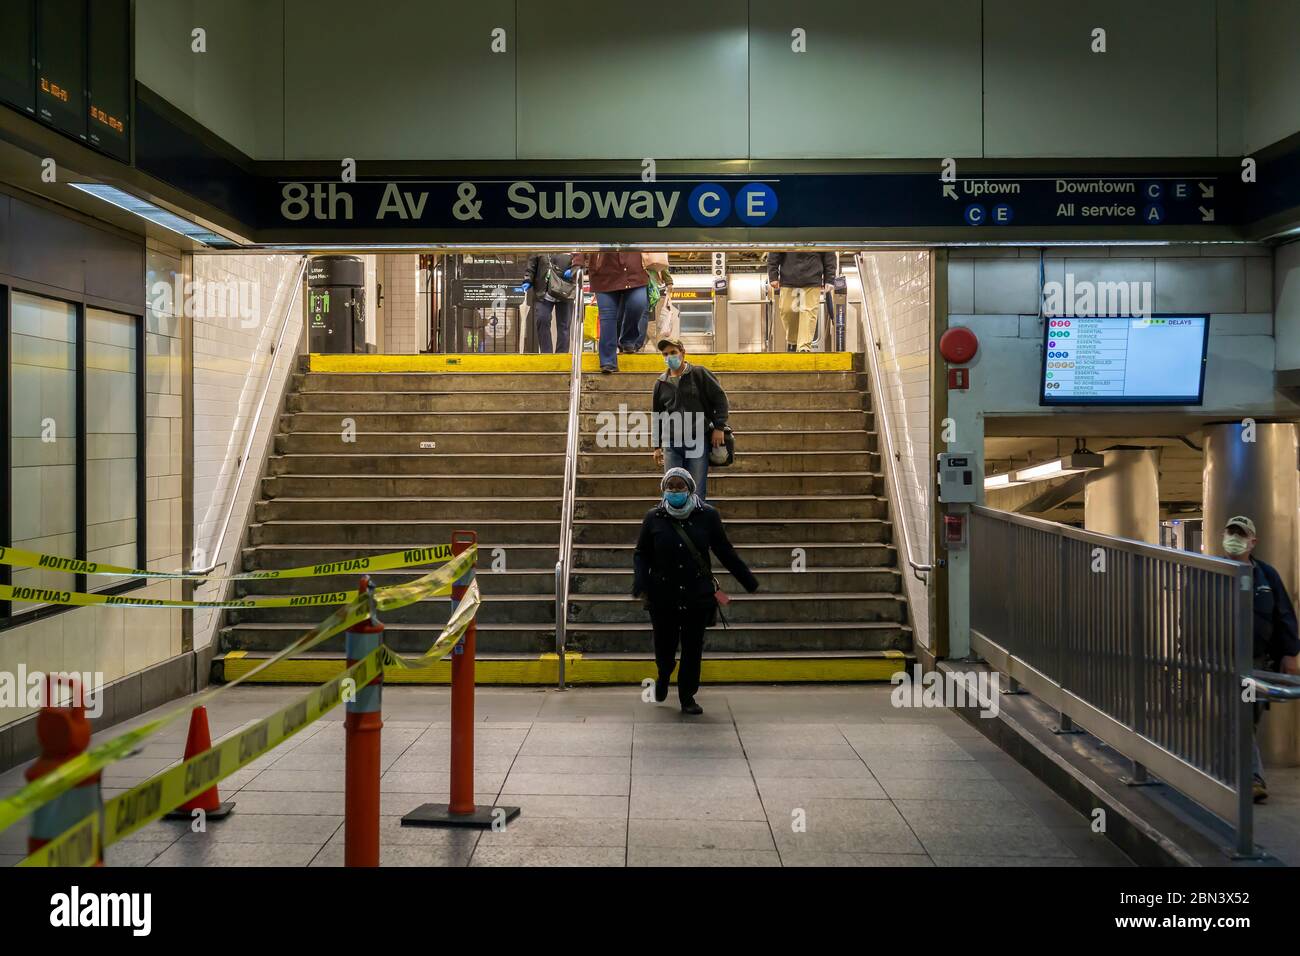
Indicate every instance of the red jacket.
{"type": "Point", "coordinates": [613, 271]}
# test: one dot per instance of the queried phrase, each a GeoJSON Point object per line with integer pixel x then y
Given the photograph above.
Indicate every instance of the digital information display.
{"type": "Point", "coordinates": [109, 77]}
{"type": "Point", "coordinates": [1124, 360]}
{"type": "Point", "coordinates": [18, 54]}
{"type": "Point", "coordinates": [61, 65]}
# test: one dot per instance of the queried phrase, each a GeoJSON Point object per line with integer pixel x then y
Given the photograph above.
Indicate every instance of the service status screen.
{"type": "Point", "coordinates": [1123, 359]}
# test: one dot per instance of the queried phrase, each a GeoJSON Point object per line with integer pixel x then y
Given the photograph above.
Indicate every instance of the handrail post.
{"type": "Point", "coordinates": [362, 727]}
{"type": "Point", "coordinates": [1242, 632]}
{"type": "Point", "coordinates": [565, 556]}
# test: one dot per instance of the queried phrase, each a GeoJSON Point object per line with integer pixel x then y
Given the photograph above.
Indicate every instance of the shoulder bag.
{"type": "Point", "coordinates": [720, 596]}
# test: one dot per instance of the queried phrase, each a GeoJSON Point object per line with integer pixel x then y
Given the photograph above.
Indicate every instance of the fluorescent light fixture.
{"type": "Point", "coordinates": [1004, 480]}
{"type": "Point", "coordinates": [1069, 465]}
{"type": "Point", "coordinates": [155, 214]}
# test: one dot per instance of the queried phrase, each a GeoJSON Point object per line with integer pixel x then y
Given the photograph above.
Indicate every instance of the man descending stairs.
{"type": "Point", "coordinates": [430, 453]}
{"type": "Point", "coordinates": [803, 504]}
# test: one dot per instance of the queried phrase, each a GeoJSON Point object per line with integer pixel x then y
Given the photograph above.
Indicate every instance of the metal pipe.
{"type": "Point", "coordinates": [886, 432]}
{"type": "Point", "coordinates": [252, 429]}
{"type": "Point", "coordinates": [570, 477]}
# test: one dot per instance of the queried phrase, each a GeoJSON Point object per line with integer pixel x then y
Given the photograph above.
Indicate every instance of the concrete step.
{"type": "Point", "coordinates": [497, 608]}
{"type": "Point", "coordinates": [402, 533]}
{"type": "Point", "coordinates": [431, 463]}
{"type": "Point", "coordinates": [420, 443]}
{"type": "Point", "coordinates": [748, 638]}
{"type": "Point", "coordinates": [291, 485]}
{"type": "Point", "coordinates": [832, 581]}
{"type": "Point", "coordinates": [537, 581]}
{"type": "Point", "coordinates": [629, 462]}
{"type": "Point", "coordinates": [429, 401]}
{"type": "Point", "coordinates": [465, 510]}
{"type": "Point", "coordinates": [792, 608]}
{"type": "Point", "coordinates": [429, 381]}
{"type": "Point", "coordinates": [745, 530]}
{"type": "Point", "coordinates": [777, 506]}
{"type": "Point", "coordinates": [726, 482]}
{"type": "Point", "coordinates": [808, 399]}
{"type": "Point", "coordinates": [742, 420]}
{"type": "Point", "coordinates": [756, 441]}
{"type": "Point", "coordinates": [265, 637]}
{"type": "Point", "coordinates": [873, 554]}
{"type": "Point", "coordinates": [731, 381]}
{"type": "Point", "coordinates": [441, 423]}
{"type": "Point", "coordinates": [275, 557]}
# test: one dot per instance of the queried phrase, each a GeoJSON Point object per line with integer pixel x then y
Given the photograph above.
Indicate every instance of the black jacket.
{"type": "Point", "coordinates": [536, 271]}
{"type": "Point", "coordinates": [801, 269]}
{"type": "Point", "coordinates": [1275, 621]}
{"type": "Point", "coordinates": [697, 390]}
{"type": "Point", "coordinates": [667, 573]}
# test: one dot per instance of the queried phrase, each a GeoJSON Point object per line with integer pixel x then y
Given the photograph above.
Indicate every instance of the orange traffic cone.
{"type": "Point", "coordinates": [197, 741]}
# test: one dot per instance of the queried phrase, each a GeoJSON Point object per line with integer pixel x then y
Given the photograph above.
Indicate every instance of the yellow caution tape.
{"type": "Point", "coordinates": [67, 775]}
{"type": "Point", "coordinates": [78, 599]}
{"type": "Point", "coordinates": [391, 561]}
{"type": "Point", "coordinates": [76, 846]}
{"type": "Point", "coordinates": [148, 801]}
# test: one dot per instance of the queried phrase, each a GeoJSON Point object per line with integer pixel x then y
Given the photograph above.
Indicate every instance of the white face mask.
{"type": "Point", "coordinates": [1235, 544]}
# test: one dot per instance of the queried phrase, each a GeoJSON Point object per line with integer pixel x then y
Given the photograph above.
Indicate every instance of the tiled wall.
{"type": "Point", "coordinates": [403, 331]}
{"type": "Point", "coordinates": [996, 293]}
{"type": "Point", "coordinates": [118, 642]}
{"type": "Point", "coordinates": [232, 358]}
{"type": "Point", "coordinates": [896, 288]}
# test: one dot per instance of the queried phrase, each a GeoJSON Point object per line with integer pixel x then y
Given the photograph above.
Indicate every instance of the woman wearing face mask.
{"type": "Point", "coordinates": [673, 577]}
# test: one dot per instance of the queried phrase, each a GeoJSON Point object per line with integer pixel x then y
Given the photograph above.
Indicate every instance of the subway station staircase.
{"type": "Point", "coordinates": [496, 466]}
{"type": "Point", "coordinates": [440, 450]}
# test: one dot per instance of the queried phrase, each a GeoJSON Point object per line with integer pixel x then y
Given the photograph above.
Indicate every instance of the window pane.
{"type": "Point", "coordinates": [43, 448]}
{"type": "Point", "coordinates": [111, 442]}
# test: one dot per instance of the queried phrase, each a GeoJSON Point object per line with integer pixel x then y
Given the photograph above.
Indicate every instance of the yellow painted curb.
{"type": "Point", "coordinates": [733, 361]}
{"type": "Point", "coordinates": [579, 670]}
{"type": "Point", "coordinates": [640, 362]}
{"type": "Point", "coordinates": [468, 362]}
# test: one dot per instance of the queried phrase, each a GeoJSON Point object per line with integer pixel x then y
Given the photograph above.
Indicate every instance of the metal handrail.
{"type": "Point", "coordinates": [570, 476]}
{"type": "Point", "coordinates": [886, 432]}
{"type": "Point", "coordinates": [257, 418]}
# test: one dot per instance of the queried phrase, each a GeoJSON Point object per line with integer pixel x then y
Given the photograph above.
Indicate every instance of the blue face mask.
{"type": "Point", "coordinates": [674, 361]}
{"type": "Point", "coordinates": [677, 498]}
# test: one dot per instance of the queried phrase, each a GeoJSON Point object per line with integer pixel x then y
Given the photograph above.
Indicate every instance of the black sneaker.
{"type": "Point", "coordinates": [604, 370]}
{"type": "Point", "coordinates": [1260, 790]}
{"type": "Point", "coordinates": [661, 690]}
{"type": "Point", "coordinates": [690, 707]}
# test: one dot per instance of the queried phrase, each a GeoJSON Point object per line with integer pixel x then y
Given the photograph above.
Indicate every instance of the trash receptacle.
{"type": "Point", "coordinates": [336, 304]}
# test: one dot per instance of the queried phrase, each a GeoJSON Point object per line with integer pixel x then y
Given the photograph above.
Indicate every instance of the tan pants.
{"type": "Point", "coordinates": [799, 309]}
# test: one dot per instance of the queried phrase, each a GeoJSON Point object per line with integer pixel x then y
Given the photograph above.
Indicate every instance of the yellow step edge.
{"type": "Point", "coordinates": [579, 670]}
{"type": "Point", "coordinates": [640, 362]}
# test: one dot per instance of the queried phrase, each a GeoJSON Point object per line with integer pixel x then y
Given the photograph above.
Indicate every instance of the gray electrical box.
{"type": "Point", "coordinates": [957, 480]}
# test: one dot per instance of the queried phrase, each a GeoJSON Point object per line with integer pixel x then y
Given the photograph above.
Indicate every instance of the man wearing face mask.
{"type": "Point", "coordinates": [1276, 640]}
{"type": "Point", "coordinates": [673, 577]}
{"type": "Point", "coordinates": [691, 410]}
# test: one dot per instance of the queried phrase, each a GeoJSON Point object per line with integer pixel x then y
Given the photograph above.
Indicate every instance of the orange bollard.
{"type": "Point", "coordinates": [461, 810]}
{"type": "Point", "coordinates": [64, 733]}
{"type": "Point", "coordinates": [362, 726]}
{"type": "Point", "coordinates": [197, 740]}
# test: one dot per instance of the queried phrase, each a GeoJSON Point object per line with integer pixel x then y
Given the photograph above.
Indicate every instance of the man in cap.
{"type": "Point", "coordinates": [1276, 640]}
{"type": "Point", "coordinates": [690, 410]}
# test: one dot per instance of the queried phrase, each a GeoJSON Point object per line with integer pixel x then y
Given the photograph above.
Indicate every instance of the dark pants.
{"type": "Point", "coordinates": [673, 626]}
{"type": "Point", "coordinates": [542, 310]}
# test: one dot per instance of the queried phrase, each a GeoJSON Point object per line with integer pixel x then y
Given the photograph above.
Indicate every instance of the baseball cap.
{"type": "Point", "coordinates": [1242, 522]}
{"type": "Point", "coordinates": [675, 342]}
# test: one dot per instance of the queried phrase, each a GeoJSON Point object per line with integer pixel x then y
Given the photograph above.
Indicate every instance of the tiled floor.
{"type": "Point", "coordinates": [769, 776]}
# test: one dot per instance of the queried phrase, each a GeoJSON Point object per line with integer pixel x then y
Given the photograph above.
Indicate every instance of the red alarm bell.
{"type": "Point", "coordinates": [958, 345]}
